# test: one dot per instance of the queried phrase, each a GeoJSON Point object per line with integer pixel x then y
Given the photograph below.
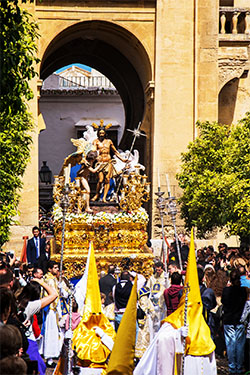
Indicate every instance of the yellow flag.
{"type": "Point", "coordinates": [89, 347]}
{"type": "Point", "coordinates": [122, 357]}
{"type": "Point", "coordinates": [199, 340]}
{"type": "Point", "coordinates": [93, 302]}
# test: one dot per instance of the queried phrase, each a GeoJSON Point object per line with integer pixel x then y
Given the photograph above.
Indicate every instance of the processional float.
{"type": "Point", "coordinates": [117, 228]}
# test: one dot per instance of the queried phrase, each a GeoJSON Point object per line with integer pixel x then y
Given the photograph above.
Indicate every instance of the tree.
{"type": "Point", "coordinates": [17, 59]}
{"type": "Point", "coordinates": [215, 178]}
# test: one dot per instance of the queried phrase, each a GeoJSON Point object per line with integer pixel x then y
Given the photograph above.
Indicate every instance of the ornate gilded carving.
{"type": "Point", "coordinates": [136, 191]}
{"type": "Point", "coordinates": [75, 265]}
{"type": "Point", "coordinates": [115, 236]}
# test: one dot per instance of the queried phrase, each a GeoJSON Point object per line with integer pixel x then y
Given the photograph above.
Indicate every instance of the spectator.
{"type": "Point", "coordinates": [29, 273]}
{"type": "Point", "coordinates": [6, 278]}
{"type": "Point", "coordinates": [6, 301]}
{"type": "Point", "coordinates": [173, 267]}
{"type": "Point", "coordinates": [10, 341]}
{"type": "Point", "coordinates": [35, 246]}
{"type": "Point", "coordinates": [13, 365]}
{"type": "Point", "coordinates": [37, 273]}
{"type": "Point", "coordinates": [233, 300]}
{"type": "Point", "coordinates": [103, 299]}
{"type": "Point", "coordinates": [121, 292]}
{"type": "Point", "coordinates": [245, 319]}
{"type": "Point", "coordinates": [29, 303]}
{"type": "Point", "coordinates": [76, 318]}
{"type": "Point", "coordinates": [208, 301]}
{"type": "Point", "coordinates": [107, 282]}
{"type": "Point", "coordinates": [244, 280]}
{"type": "Point", "coordinates": [171, 294]}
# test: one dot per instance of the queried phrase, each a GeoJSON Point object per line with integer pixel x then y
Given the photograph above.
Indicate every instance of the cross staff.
{"type": "Point", "coordinates": [137, 134]}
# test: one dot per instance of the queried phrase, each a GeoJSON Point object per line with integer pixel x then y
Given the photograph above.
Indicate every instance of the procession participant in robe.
{"type": "Point", "coordinates": [184, 340]}
{"type": "Point", "coordinates": [145, 333]}
{"type": "Point", "coordinates": [52, 340]}
{"type": "Point", "coordinates": [157, 284]}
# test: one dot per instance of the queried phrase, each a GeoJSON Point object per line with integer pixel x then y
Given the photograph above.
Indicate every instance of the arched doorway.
{"type": "Point", "coordinates": [113, 51]}
{"type": "Point", "coordinates": [117, 54]}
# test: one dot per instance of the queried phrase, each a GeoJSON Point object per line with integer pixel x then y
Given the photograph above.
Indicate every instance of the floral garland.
{"type": "Point", "coordinates": [140, 216]}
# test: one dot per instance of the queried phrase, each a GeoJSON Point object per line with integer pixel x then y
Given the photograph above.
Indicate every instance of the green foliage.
{"type": "Point", "coordinates": [215, 178]}
{"type": "Point", "coordinates": [17, 59]}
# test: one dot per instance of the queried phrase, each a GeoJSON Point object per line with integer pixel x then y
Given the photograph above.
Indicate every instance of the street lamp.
{"type": "Point", "coordinates": [45, 173]}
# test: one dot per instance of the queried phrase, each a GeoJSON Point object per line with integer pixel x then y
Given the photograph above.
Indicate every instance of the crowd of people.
{"type": "Point", "coordinates": [34, 303]}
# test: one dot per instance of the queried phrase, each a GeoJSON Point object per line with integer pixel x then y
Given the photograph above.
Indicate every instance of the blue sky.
{"type": "Point", "coordinates": [79, 65]}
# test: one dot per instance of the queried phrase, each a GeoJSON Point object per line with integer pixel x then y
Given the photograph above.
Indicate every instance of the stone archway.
{"type": "Point", "coordinates": [227, 101]}
{"type": "Point", "coordinates": [112, 50]}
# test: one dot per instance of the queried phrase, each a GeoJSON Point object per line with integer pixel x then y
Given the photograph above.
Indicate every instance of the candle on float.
{"type": "Point", "coordinates": [66, 175]}
{"type": "Point", "coordinates": [65, 172]}
{"type": "Point", "coordinates": [77, 180]}
{"type": "Point", "coordinates": [69, 170]}
{"type": "Point", "coordinates": [168, 185]}
{"type": "Point", "coordinates": [144, 179]}
{"type": "Point", "coordinates": [159, 182]}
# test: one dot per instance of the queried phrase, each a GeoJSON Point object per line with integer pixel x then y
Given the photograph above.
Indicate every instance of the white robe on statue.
{"type": "Point", "coordinates": [159, 358]}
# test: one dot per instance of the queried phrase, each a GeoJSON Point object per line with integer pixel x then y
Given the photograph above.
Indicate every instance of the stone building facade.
{"type": "Point", "coordinates": [172, 62]}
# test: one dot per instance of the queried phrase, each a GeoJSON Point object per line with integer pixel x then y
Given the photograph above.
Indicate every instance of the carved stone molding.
{"type": "Point", "coordinates": [233, 61]}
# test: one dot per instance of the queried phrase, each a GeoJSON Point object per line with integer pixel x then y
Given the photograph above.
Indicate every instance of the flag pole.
{"type": "Point", "coordinates": [186, 290]}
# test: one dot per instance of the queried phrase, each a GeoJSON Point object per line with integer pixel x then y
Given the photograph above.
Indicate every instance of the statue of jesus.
{"type": "Point", "coordinates": [105, 166]}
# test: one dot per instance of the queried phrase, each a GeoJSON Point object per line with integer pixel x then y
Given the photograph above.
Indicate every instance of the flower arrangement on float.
{"type": "Point", "coordinates": [140, 217]}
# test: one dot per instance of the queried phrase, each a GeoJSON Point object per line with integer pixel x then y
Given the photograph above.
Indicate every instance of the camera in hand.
{"type": "Point", "coordinates": [21, 316]}
{"type": "Point", "coordinates": [16, 272]}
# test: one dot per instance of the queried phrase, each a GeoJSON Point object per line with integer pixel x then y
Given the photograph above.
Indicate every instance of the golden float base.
{"type": "Point", "coordinates": [74, 265]}
{"type": "Point", "coordinates": [117, 238]}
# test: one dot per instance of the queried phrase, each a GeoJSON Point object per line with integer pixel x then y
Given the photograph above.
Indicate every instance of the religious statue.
{"type": "Point", "coordinates": [83, 173]}
{"type": "Point", "coordinates": [83, 159]}
{"type": "Point", "coordinates": [93, 156]}
{"type": "Point", "coordinates": [105, 166]}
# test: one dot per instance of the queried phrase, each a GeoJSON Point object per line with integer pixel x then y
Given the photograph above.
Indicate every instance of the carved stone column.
{"type": "Point", "coordinates": [223, 23]}
{"type": "Point", "coordinates": [235, 22]}
{"type": "Point", "coordinates": [247, 23]}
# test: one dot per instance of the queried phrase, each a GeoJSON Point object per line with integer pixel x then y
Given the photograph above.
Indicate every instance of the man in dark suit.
{"type": "Point", "coordinates": [107, 282]}
{"type": "Point", "coordinates": [35, 247]}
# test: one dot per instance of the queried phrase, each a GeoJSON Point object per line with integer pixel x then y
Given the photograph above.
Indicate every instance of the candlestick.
{"type": "Point", "coordinates": [66, 179]}
{"type": "Point", "coordinates": [159, 182]}
{"type": "Point", "coordinates": [69, 170]}
{"type": "Point", "coordinates": [125, 180]}
{"type": "Point", "coordinates": [168, 185]}
{"type": "Point", "coordinates": [77, 180]}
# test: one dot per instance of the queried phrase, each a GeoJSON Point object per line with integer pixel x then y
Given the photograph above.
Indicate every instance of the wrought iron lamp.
{"type": "Point", "coordinates": [45, 173]}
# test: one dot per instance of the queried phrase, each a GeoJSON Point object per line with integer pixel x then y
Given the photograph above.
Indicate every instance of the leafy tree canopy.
{"type": "Point", "coordinates": [17, 66]}
{"type": "Point", "coordinates": [215, 178]}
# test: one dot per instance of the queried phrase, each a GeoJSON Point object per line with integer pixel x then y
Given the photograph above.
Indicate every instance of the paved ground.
{"type": "Point", "coordinates": [221, 367]}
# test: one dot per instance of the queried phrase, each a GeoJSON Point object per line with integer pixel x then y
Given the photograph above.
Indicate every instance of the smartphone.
{"type": "Point", "coordinates": [16, 272]}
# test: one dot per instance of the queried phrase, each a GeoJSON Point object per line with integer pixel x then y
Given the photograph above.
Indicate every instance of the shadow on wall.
{"type": "Point", "coordinates": [227, 102]}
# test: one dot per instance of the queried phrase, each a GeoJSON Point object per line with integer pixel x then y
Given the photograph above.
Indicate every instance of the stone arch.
{"type": "Point", "coordinates": [227, 101]}
{"type": "Point", "coordinates": [112, 50]}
